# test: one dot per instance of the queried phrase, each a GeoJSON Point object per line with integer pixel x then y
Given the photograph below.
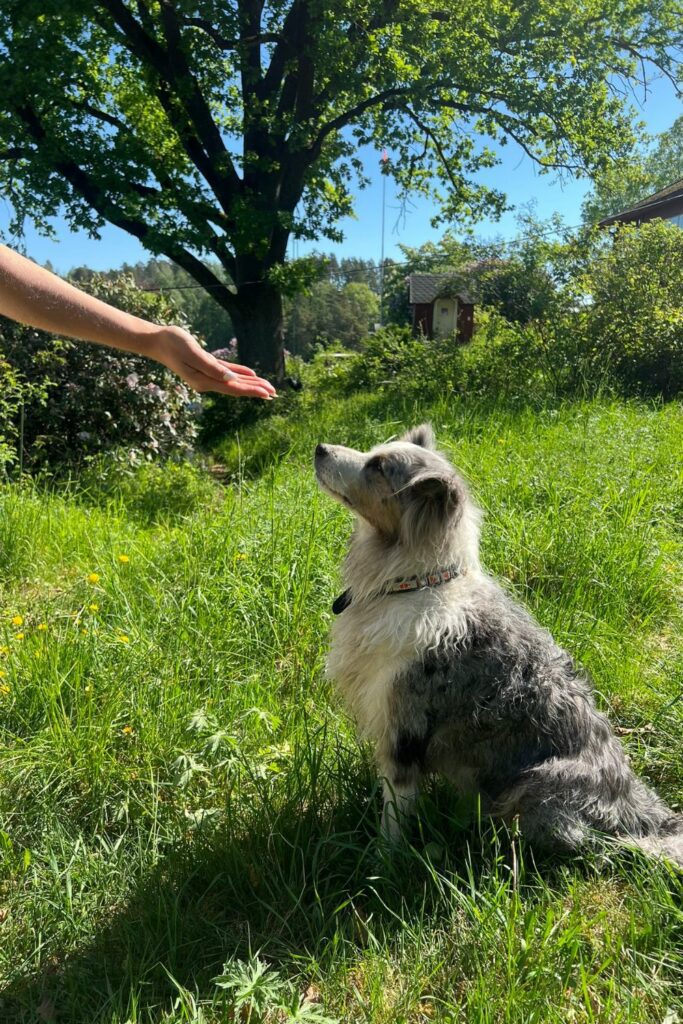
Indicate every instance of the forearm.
{"type": "Point", "coordinates": [34, 296]}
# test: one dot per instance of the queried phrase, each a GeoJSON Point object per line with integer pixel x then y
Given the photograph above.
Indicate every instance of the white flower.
{"type": "Point", "coordinates": [132, 380]}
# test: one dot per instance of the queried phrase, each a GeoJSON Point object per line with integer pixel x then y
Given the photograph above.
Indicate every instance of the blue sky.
{"type": "Point", "coordinates": [516, 175]}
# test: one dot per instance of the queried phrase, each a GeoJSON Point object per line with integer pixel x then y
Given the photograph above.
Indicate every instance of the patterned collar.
{"type": "Point", "coordinates": [403, 585]}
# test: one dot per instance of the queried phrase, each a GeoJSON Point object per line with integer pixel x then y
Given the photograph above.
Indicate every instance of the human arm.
{"type": "Point", "coordinates": [35, 296]}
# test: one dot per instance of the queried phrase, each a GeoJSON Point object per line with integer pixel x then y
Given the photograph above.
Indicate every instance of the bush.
{"type": "Point", "coordinates": [633, 329]}
{"type": "Point", "coordinates": [81, 399]}
{"type": "Point", "coordinates": [15, 394]}
{"type": "Point", "coordinates": [394, 357]}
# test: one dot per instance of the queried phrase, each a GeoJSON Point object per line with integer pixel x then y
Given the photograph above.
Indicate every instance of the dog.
{"type": "Point", "coordinates": [446, 673]}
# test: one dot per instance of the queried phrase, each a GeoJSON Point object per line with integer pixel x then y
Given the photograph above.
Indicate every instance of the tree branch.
{"type": "Point", "coordinates": [223, 43]}
{"type": "Point", "coordinates": [97, 197]}
{"type": "Point", "coordinates": [196, 128]}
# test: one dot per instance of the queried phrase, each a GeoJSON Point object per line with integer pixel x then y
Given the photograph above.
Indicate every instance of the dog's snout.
{"type": "Point", "coordinates": [320, 451]}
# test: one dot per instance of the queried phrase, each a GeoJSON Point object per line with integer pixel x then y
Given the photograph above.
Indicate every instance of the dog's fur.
{"type": "Point", "coordinates": [459, 679]}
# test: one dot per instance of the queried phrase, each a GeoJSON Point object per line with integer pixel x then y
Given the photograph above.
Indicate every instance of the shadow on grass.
{"type": "Point", "coordinates": [299, 889]}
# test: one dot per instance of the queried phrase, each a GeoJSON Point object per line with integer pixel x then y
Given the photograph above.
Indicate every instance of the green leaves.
{"type": "Point", "coordinates": [218, 130]}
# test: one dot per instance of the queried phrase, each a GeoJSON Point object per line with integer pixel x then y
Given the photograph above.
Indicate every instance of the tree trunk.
{"type": "Point", "coordinates": [257, 314]}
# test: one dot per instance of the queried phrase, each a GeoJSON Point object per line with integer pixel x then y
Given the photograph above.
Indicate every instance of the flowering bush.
{"type": "Point", "coordinates": [96, 399]}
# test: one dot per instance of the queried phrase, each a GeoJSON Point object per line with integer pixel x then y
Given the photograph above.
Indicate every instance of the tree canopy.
{"type": "Point", "coordinates": [646, 170]}
{"type": "Point", "coordinates": [216, 129]}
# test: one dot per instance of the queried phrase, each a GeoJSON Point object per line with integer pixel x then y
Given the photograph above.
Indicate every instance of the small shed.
{"type": "Point", "coordinates": [441, 306]}
{"type": "Point", "coordinates": [666, 204]}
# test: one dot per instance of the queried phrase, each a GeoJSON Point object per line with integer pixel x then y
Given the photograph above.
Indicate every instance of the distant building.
{"type": "Point", "coordinates": [666, 204]}
{"type": "Point", "coordinates": [441, 306]}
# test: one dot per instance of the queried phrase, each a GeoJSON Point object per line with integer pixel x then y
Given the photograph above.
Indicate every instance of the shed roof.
{"type": "Point", "coordinates": [425, 288]}
{"type": "Point", "coordinates": [656, 203]}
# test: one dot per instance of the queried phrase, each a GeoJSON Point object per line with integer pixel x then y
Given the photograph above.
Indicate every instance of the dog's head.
{"type": "Point", "coordinates": [406, 491]}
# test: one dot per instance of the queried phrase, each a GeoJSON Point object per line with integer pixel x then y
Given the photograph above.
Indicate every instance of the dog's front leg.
{"type": "Point", "coordinates": [401, 766]}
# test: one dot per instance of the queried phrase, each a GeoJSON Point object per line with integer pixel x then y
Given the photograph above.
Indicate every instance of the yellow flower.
{"type": "Point", "coordinates": [93, 607]}
{"type": "Point", "coordinates": [240, 556]}
{"type": "Point", "coordinates": [18, 636]}
{"type": "Point", "coordinates": [127, 730]}
{"type": "Point", "coordinates": [17, 620]}
{"type": "Point", "coordinates": [93, 577]}
{"type": "Point", "coordinates": [42, 626]}
{"type": "Point", "coordinates": [124, 559]}
{"type": "Point", "coordinates": [2, 674]}
{"type": "Point", "coordinates": [123, 638]}
{"type": "Point", "coordinates": [84, 630]}
{"type": "Point", "coordinates": [4, 650]}
{"type": "Point", "coordinates": [4, 689]}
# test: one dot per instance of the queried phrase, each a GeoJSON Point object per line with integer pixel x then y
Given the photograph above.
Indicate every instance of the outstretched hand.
{"type": "Point", "coordinates": [181, 353]}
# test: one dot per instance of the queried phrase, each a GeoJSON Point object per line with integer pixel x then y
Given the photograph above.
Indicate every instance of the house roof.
{"type": "Point", "coordinates": [425, 288]}
{"type": "Point", "coordinates": [656, 204]}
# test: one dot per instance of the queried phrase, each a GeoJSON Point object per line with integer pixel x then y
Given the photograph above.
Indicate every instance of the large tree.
{"type": "Point", "coordinates": [214, 129]}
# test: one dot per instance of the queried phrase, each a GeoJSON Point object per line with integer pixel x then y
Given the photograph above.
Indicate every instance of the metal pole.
{"type": "Point", "coordinates": [381, 258]}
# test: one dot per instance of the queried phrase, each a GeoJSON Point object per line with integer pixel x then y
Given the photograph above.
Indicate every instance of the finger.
{"type": "Point", "coordinates": [246, 388]}
{"type": "Point", "coordinates": [206, 365]}
{"type": "Point", "coordinates": [238, 368]}
{"type": "Point", "coordinates": [247, 372]}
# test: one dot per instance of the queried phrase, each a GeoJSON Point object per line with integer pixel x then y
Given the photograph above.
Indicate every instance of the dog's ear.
{"type": "Point", "coordinates": [431, 503]}
{"type": "Point", "coordinates": [422, 436]}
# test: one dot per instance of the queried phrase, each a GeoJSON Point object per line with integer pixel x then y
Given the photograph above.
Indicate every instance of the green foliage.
{"type": "Point", "coordinates": [152, 492]}
{"type": "Point", "coordinates": [15, 394]}
{"type": "Point", "coordinates": [634, 324]}
{"type": "Point", "coordinates": [211, 133]}
{"type": "Point", "coordinates": [328, 315]}
{"type": "Point", "coordinates": [83, 399]}
{"type": "Point", "coordinates": [643, 172]}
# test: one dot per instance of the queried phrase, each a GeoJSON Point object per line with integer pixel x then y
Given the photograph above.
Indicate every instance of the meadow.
{"type": "Point", "coordinates": [187, 820]}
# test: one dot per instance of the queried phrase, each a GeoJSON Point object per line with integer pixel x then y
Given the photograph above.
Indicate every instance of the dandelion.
{"type": "Point", "coordinates": [4, 690]}
{"type": "Point", "coordinates": [240, 556]}
{"type": "Point", "coordinates": [4, 650]}
{"type": "Point", "coordinates": [123, 559]}
{"type": "Point", "coordinates": [84, 630]}
{"type": "Point", "coordinates": [123, 638]}
{"type": "Point", "coordinates": [42, 626]}
{"type": "Point", "coordinates": [93, 607]}
{"type": "Point", "coordinates": [93, 577]}
{"type": "Point", "coordinates": [3, 675]}
{"type": "Point", "coordinates": [127, 730]}
{"type": "Point", "coordinates": [18, 636]}
{"type": "Point", "coordinates": [17, 620]}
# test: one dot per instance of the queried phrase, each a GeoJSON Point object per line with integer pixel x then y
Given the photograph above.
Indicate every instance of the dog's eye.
{"type": "Point", "coordinates": [375, 465]}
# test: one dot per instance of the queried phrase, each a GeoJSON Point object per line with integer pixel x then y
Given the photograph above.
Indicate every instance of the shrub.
{"type": "Point", "coordinates": [14, 394]}
{"type": "Point", "coordinates": [393, 357]}
{"type": "Point", "coordinates": [81, 399]}
{"type": "Point", "coordinates": [634, 325]}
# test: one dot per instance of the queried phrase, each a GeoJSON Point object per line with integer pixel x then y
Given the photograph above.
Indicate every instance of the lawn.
{"type": "Point", "coordinates": [187, 819]}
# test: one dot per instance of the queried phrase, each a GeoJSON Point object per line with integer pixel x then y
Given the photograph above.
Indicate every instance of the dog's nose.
{"type": "Point", "coordinates": [320, 451]}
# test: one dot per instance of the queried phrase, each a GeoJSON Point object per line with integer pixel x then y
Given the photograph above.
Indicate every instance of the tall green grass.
{"type": "Point", "coordinates": [182, 797]}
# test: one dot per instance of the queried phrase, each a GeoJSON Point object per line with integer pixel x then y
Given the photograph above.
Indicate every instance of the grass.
{"type": "Point", "coordinates": [187, 820]}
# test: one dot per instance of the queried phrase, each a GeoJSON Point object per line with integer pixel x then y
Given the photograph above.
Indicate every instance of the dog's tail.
{"type": "Point", "coordinates": [667, 842]}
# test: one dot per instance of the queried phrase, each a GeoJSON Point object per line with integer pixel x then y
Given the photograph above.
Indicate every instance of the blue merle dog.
{"type": "Point", "coordinates": [446, 673]}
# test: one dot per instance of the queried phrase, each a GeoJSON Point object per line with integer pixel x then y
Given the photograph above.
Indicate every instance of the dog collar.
{"type": "Point", "coordinates": [403, 585]}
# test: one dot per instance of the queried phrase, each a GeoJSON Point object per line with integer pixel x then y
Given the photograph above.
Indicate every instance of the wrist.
{"type": "Point", "coordinates": [152, 341]}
